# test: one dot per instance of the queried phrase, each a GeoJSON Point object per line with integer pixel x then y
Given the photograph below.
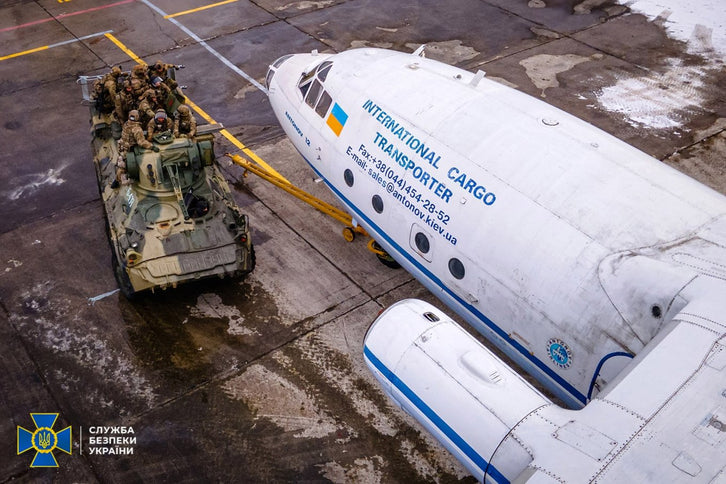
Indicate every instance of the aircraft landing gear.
{"type": "Point", "coordinates": [382, 255]}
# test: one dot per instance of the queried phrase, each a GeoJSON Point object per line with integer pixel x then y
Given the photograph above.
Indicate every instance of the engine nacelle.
{"type": "Point", "coordinates": [456, 388]}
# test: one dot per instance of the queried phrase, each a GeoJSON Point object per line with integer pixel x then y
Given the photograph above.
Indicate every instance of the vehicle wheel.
{"type": "Point", "coordinates": [348, 234]}
{"type": "Point", "coordinates": [253, 258]}
{"type": "Point", "coordinates": [122, 278]}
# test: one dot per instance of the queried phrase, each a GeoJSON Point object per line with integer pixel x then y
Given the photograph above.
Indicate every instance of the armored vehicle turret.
{"type": "Point", "coordinates": [170, 215]}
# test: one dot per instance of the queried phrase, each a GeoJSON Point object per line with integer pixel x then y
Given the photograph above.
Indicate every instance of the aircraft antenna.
{"type": "Point", "coordinates": [477, 77]}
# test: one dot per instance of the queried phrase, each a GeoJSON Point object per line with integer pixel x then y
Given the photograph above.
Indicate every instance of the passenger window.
{"type": "Point", "coordinates": [348, 176]}
{"type": "Point", "coordinates": [456, 268]}
{"type": "Point", "coordinates": [377, 203]}
{"type": "Point", "coordinates": [313, 93]}
{"type": "Point", "coordinates": [422, 242]}
{"type": "Point", "coordinates": [323, 104]}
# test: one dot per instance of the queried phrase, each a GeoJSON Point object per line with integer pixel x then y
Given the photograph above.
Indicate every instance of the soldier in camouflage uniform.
{"type": "Point", "coordinates": [140, 72]}
{"type": "Point", "coordinates": [147, 105]}
{"type": "Point", "coordinates": [131, 135]}
{"type": "Point", "coordinates": [159, 124]}
{"type": "Point", "coordinates": [153, 99]}
{"type": "Point", "coordinates": [185, 125]}
{"type": "Point", "coordinates": [160, 69]}
{"type": "Point", "coordinates": [110, 80]}
{"type": "Point", "coordinates": [105, 91]}
{"type": "Point", "coordinates": [127, 101]}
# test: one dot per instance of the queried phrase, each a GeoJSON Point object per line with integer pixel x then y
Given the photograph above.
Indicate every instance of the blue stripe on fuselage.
{"type": "Point", "coordinates": [499, 331]}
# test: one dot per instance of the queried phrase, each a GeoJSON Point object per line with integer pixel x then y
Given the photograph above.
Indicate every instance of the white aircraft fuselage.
{"type": "Point", "coordinates": [573, 245]}
{"type": "Point", "coordinates": [564, 246]}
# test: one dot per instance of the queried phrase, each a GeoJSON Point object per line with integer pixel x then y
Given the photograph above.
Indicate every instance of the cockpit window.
{"type": "Point", "coordinates": [305, 86]}
{"type": "Point", "coordinates": [313, 93]}
{"type": "Point", "coordinates": [305, 82]}
{"type": "Point", "coordinates": [312, 89]}
{"type": "Point", "coordinates": [323, 104]}
{"type": "Point", "coordinates": [282, 59]}
{"type": "Point", "coordinates": [323, 70]}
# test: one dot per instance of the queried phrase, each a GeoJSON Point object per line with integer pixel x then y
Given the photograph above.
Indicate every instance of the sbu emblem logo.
{"type": "Point", "coordinates": [44, 440]}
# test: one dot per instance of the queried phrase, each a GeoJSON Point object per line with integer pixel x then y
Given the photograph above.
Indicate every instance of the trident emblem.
{"type": "Point", "coordinates": [44, 440]}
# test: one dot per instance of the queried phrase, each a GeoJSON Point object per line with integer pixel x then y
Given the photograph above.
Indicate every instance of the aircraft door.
{"type": "Point", "coordinates": [421, 242]}
{"type": "Point", "coordinates": [463, 276]}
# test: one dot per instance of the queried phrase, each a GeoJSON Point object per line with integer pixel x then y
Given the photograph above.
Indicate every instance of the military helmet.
{"type": "Point", "coordinates": [160, 115]}
{"type": "Point", "coordinates": [183, 109]}
{"type": "Point", "coordinates": [115, 71]}
{"type": "Point", "coordinates": [134, 115]}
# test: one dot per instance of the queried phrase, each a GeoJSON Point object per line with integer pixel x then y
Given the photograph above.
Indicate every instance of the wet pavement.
{"type": "Point", "coordinates": [262, 379]}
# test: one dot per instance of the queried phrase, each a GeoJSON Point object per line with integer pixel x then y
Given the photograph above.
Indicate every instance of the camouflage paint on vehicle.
{"type": "Point", "coordinates": [176, 220]}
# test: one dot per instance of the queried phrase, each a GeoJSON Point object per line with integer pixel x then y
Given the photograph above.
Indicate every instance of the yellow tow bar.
{"type": "Point", "coordinates": [348, 232]}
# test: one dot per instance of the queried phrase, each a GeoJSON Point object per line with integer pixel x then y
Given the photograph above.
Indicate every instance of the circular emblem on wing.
{"type": "Point", "coordinates": [559, 352]}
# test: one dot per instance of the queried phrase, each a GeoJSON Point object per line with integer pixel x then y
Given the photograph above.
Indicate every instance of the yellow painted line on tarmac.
{"type": "Point", "coordinates": [25, 52]}
{"type": "Point", "coordinates": [121, 46]}
{"type": "Point", "coordinates": [57, 44]}
{"type": "Point", "coordinates": [198, 9]}
{"type": "Point", "coordinates": [235, 141]}
{"type": "Point", "coordinates": [206, 116]}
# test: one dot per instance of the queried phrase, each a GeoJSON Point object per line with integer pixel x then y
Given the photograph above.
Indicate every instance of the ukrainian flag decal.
{"type": "Point", "coordinates": [336, 119]}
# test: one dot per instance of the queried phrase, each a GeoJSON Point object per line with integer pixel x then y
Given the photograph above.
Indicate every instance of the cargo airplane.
{"type": "Point", "coordinates": [596, 268]}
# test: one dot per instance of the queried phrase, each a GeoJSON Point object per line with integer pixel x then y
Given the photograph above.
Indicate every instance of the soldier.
{"type": "Point", "coordinates": [154, 98]}
{"type": "Point", "coordinates": [147, 105]}
{"type": "Point", "coordinates": [162, 90]}
{"type": "Point", "coordinates": [111, 85]}
{"type": "Point", "coordinates": [185, 125]}
{"type": "Point", "coordinates": [138, 87]}
{"type": "Point", "coordinates": [131, 135]}
{"type": "Point", "coordinates": [139, 71]}
{"type": "Point", "coordinates": [110, 80]}
{"type": "Point", "coordinates": [160, 69]}
{"type": "Point", "coordinates": [127, 101]}
{"type": "Point", "coordinates": [105, 91]}
{"type": "Point", "coordinates": [159, 124]}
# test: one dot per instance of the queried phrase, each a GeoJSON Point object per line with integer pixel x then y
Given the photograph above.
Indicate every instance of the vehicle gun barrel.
{"type": "Point", "coordinates": [173, 172]}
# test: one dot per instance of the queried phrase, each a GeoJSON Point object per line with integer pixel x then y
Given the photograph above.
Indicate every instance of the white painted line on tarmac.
{"type": "Point", "coordinates": [92, 300]}
{"type": "Point", "coordinates": [216, 54]}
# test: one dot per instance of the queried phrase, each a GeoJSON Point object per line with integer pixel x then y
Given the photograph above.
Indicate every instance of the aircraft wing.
{"type": "Point", "coordinates": [662, 420]}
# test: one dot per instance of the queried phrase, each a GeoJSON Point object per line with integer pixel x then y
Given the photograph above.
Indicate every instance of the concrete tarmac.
{"type": "Point", "coordinates": [262, 379]}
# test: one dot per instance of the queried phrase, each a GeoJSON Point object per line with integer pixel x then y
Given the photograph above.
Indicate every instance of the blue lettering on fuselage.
{"type": "Point", "coordinates": [419, 173]}
{"type": "Point", "coordinates": [292, 121]}
{"type": "Point", "coordinates": [400, 132]}
{"type": "Point", "coordinates": [470, 185]}
{"type": "Point", "coordinates": [395, 144]}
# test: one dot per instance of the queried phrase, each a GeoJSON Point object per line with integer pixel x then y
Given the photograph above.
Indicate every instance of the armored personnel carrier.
{"type": "Point", "coordinates": [172, 219]}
